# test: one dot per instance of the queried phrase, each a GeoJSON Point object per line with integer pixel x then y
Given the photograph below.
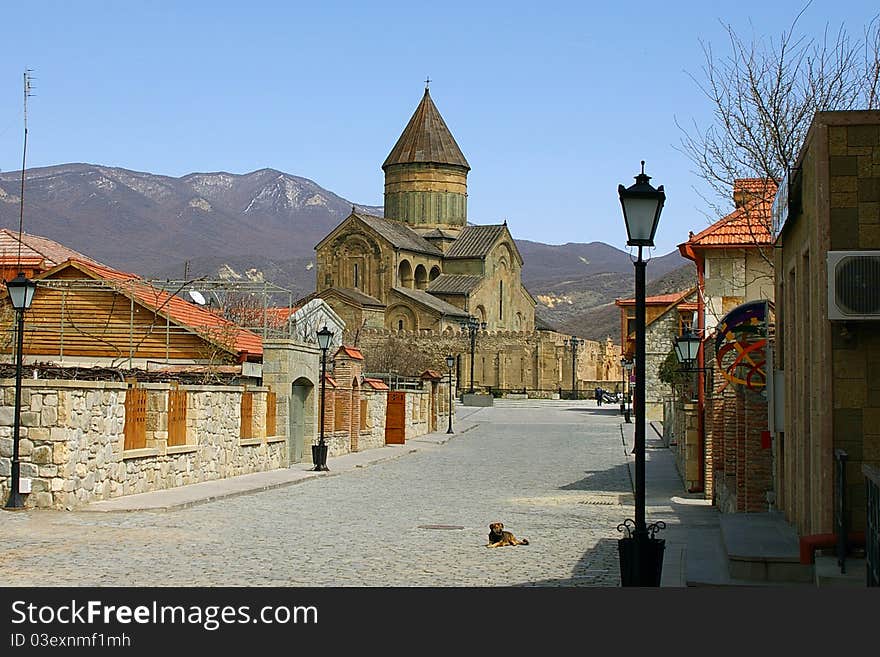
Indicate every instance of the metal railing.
{"type": "Point", "coordinates": [872, 525]}
{"type": "Point", "coordinates": [840, 510]}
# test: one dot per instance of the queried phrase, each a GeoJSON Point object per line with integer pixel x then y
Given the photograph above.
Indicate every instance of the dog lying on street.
{"type": "Point", "coordinates": [498, 537]}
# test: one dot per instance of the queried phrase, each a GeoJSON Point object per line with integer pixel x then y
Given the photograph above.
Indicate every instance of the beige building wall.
{"type": "Point", "coordinates": [733, 277]}
{"type": "Point", "coordinates": [832, 387]}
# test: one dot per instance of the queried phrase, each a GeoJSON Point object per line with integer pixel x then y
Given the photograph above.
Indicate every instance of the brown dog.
{"type": "Point", "coordinates": [498, 537]}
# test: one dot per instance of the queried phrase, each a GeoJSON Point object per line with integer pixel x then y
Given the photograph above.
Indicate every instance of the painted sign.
{"type": "Point", "coordinates": [741, 344]}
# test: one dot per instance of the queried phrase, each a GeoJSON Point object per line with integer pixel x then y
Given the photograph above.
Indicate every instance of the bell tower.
{"type": "Point", "coordinates": [426, 174]}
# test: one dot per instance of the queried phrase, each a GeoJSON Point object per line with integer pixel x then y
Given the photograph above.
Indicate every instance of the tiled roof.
{"type": "Point", "coordinates": [34, 246]}
{"type": "Point", "coordinates": [355, 295]}
{"type": "Point", "coordinates": [659, 300]}
{"type": "Point", "coordinates": [431, 375]}
{"type": "Point", "coordinates": [439, 233]}
{"type": "Point", "coordinates": [748, 225]}
{"type": "Point", "coordinates": [202, 322]}
{"type": "Point", "coordinates": [376, 384]}
{"type": "Point", "coordinates": [351, 352]}
{"type": "Point", "coordinates": [426, 139]}
{"type": "Point", "coordinates": [475, 241]}
{"type": "Point", "coordinates": [453, 284]}
{"type": "Point", "coordinates": [749, 189]}
{"type": "Point", "coordinates": [431, 302]}
{"type": "Point", "coordinates": [399, 234]}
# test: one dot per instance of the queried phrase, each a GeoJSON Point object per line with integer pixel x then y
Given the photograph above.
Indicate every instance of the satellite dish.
{"type": "Point", "coordinates": [197, 297]}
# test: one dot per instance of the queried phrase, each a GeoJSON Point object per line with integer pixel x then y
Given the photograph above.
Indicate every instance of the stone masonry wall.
{"type": "Point", "coordinates": [72, 443]}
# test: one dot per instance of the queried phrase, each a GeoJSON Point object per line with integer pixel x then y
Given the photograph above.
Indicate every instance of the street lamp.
{"type": "Point", "coordinates": [319, 451]}
{"type": "Point", "coordinates": [628, 366]}
{"type": "Point", "coordinates": [21, 295]}
{"type": "Point", "coordinates": [450, 361]}
{"type": "Point", "coordinates": [687, 347]}
{"type": "Point", "coordinates": [573, 342]}
{"type": "Point", "coordinates": [472, 325]}
{"type": "Point", "coordinates": [641, 555]}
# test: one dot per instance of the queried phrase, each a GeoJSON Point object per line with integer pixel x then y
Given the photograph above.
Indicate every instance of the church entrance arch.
{"type": "Point", "coordinates": [301, 418]}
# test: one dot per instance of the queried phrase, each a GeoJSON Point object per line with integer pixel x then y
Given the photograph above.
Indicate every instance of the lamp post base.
{"type": "Point", "coordinates": [319, 457]}
{"type": "Point", "coordinates": [15, 502]}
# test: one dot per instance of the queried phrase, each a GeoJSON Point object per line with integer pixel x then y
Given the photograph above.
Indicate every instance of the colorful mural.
{"type": "Point", "coordinates": [741, 343]}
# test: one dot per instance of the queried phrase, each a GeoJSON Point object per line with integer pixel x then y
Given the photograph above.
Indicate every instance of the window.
{"type": "Point", "coordinates": [501, 301]}
{"type": "Point", "coordinates": [685, 321]}
{"type": "Point", "coordinates": [399, 324]}
{"type": "Point", "coordinates": [357, 285]}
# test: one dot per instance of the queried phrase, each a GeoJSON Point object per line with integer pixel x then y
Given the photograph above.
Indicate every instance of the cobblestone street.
{"type": "Point", "coordinates": [554, 472]}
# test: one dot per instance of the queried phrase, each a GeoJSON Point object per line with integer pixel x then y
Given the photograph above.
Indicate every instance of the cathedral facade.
{"type": "Point", "coordinates": [422, 270]}
{"type": "Point", "coordinates": [423, 266]}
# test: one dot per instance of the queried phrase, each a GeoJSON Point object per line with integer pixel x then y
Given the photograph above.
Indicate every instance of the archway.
{"type": "Point", "coordinates": [301, 418]}
{"type": "Point", "coordinates": [405, 274]}
{"type": "Point", "coordinates": [435, 272]}
{"type": "Point", "coordinates": [421, 277]}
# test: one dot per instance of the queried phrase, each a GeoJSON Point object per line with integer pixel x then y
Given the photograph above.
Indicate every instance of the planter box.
{"type": "Point", "coordinates": [475, 399]}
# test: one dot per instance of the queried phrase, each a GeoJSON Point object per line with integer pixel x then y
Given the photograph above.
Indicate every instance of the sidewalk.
{"type": "Point", "coordinates": [208, 491]}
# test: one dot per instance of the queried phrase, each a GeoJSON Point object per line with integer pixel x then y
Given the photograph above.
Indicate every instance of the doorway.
{"type": "Point", "coordinates": [301, 419]}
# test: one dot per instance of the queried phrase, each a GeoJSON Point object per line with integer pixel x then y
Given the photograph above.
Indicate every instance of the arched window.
{"type": "Point", "coordinates": [357, 282]}
{"type": "Point", "coordinates": [501, 301]}
{"type": "Point", "coordinates": [399, 324]}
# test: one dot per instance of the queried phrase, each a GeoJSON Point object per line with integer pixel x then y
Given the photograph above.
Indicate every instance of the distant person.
{"type": "Point", "coordinates": [598, 395]}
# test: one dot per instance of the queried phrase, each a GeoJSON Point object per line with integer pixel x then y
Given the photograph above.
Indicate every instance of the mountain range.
{"type": "Point", "coordinates": [264, 225]}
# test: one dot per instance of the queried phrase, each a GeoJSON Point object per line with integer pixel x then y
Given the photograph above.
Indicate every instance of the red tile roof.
{"type": "Point", "coordinates": [659, 300]}
{"type": "Point", "coordinates": [376, 384]}
{"type": "Point", "coordinates": [351, 352]}
{"type": "Point", "coordinates": [747, 226]}
{"type": "Point", "coordinates": [34, 246]}
{"type": "Point", "coordinates": [203, 322]}
{"type": "Point", "coordinates": [431, 374]}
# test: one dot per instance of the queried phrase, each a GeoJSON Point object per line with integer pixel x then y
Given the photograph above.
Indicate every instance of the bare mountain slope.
{"type": "Point", "coordinates": [264, 225]}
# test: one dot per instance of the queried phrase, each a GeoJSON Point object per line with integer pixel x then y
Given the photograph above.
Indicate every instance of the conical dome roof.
{"type": "Point", "coordinates": [426, 139]}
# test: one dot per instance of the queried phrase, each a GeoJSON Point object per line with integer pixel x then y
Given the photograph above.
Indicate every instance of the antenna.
{"type": "Point", "coordinates": [27, 93]}
{"type": "Point", "coordinates": [197, 297]}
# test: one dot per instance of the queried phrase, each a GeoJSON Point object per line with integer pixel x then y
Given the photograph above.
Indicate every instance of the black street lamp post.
{"type": "Point", "coordinates": [319, 451]}
{"type": "Point", "coordinates": [21, 294]}
{"type": "Point", "coordinates": [574, 342]}
{"type": "Point", "coordinates": [450, 361]}
{"type": "Point", "coordinates": [628, 367]}
{"type": "Point", "coordinates": [472, 325]}
{"type": "Point", "coordinates": [641, 554]}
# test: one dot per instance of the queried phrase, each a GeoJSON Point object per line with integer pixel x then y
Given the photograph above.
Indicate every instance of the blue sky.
{"type": "Point", "coordinates": [553, 103]}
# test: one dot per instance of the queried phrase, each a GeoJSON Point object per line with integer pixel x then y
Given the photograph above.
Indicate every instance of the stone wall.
{"type": "Point", "coordinates": [538, 361]}
{"type": "Point", "coordinates": [72, 441]}
{"type": "Point", "coordinates": [659, 337]}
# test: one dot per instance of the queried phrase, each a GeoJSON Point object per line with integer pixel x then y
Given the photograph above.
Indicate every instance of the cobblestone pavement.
{"type": "Point", "coordinates": [553, 472]}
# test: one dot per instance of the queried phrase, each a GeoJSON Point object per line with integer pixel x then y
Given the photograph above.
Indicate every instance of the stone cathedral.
{"type": "Point", "coordinates": [422, 269]}
{"type": "Point", "coordinates": [422, 266]}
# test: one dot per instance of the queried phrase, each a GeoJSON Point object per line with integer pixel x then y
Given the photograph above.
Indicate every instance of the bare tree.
{"type": "Point", "coordinates": [764, 94]}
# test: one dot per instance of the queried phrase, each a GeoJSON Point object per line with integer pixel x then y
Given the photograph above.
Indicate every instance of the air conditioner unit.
{"type": "Point", "coordinates": [854, 285]}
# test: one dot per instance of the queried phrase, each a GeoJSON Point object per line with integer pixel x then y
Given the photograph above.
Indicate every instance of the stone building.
{"type": "Point", "coordinates": [422, 266]}
{"type": "Point", "coordinates": [666, 317]}
{"type": "Point", "coordinates": [726, 457]}
{"type": "Point", "coordinates": [827, 238]}
{"type": "Point", "coordinates": [422, 270]}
